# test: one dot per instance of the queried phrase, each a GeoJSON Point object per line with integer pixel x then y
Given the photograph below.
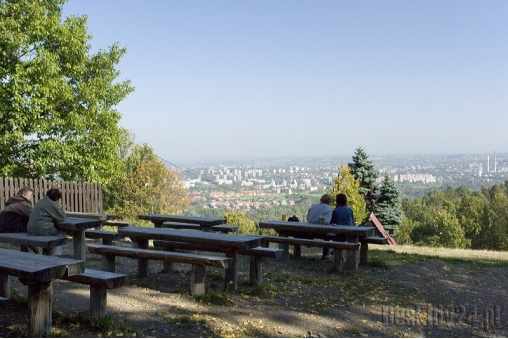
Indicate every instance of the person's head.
{"type": "Point", "coordinates": [54, 194]}
{"type": "Point", "coordinates": [341, 199]}
{"type": "Point", "coordinates": [326, 198]}
{"type": "Point", "coordinates": [26, 192]}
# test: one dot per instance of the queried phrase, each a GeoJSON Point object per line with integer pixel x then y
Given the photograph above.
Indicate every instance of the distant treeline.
{"type": "Point", "coordinates": [458, 218]}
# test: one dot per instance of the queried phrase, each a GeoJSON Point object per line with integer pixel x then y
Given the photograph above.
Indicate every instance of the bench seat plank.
{"type": "Point", "coordinates": [118, 223]}
{"type": "Point", "coordinates": [314, 243]}
{"type": "Point", "coordinates": [138, 253]}
{"type": "Point", "coordinates": [256, 254]}
{"type": "Point", "coordinates": [199, 262]}
{"type": "Point", "coordinates": [47, 242]}
{"type": "Point", "coordinates": [104, 279]}
{"type": "Point", "coordinates": [104, 235]}
{"type": "Point", "coordinates": [181, 225]}
{"type": "Point", "coordinates": [225, 228]}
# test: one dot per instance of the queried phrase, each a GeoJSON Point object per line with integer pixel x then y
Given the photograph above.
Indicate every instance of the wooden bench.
{"type": "Point", "coordinates": [256, 255]}
{"type": "Point", "coordinates": [99, 282]}
{"type": "Point", "coordinates": [339, 256]}
{"type": "Point", "coordinates": [364, 249]}
{"type": "Point", "coordinates": [181, 225]}
{"type": "Point", "coordinates": [118, 223]}
{"type": "Point", "coordinates": [224, 228]}
{"type": "Point", "coordinates": [198, 262]}
{"type": "Point", "coordinates": [47, 242]}
{"type": "Point", "coordinates": [107, 236]}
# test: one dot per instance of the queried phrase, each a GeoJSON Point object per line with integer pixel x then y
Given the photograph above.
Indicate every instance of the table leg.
{"type": "Point", "coordinates": [40, 299]}
{"type": "Point", "coordinates": [78, 237]}
{"type": "Point", "coordinates": [231, 272]}
{"type": "Point", "coordinates": [352, 256]}
{"type": "Point", "coordinates": [5, 288]}
{"type": "Point", "coordinates": [364, 254]}
{"type": "Point", "coordinates": [142, 263]}
{"type": "Point", "coordinates": [283, 246]}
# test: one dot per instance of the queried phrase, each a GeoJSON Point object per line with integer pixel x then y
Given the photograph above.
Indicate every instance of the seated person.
{"type": "Point", "coordinates": [342, 215]}
{"type": "Point", "coordinates": [45, 215]}
{"type": "Point", "coordinates": [318, 211]}
{"type": "Point", "coordinates": [14, 217]}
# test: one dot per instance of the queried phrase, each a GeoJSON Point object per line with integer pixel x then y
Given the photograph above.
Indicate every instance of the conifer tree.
{"type": "Point", "coordinates": [387, 207]}
{"type": "Point", "coordinates": [363, 170]}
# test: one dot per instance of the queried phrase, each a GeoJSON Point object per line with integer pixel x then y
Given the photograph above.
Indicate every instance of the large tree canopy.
{"type": "Point", "coordinates": [147, 186]}
{"type": "Point", "coordinates": [56, 99]}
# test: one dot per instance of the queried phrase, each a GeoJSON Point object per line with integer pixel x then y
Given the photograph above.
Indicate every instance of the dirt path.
{"type": "Point", "coordinates": [299, 298]}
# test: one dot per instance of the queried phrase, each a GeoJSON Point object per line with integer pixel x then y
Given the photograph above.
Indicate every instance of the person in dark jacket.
{"type": "Point", "coordinates": [14, 218]}
{"type": "Point", "coordinates": [46, 214]}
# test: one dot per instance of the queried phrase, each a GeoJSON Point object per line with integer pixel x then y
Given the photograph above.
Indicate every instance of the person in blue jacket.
{"type": "Point", "coordinates": [341, 215]}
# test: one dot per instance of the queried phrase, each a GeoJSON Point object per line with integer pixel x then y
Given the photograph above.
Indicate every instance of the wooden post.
{"type": "Point", "coordinates": [352, 256]}
{"type": "Point", "coordinates": [256, 271]}
{"type": "Point", "coordinates": [5, 288]}
{"type": "Point", "coordinates": [142, 263]}
{"type": "Point", "coordinates": [230, 274]}
{"type": "Point", "coordinates": [297, 251]}
{"type": "Point", "coordinates": [79, 245]}
{"type": "Point", "coordinates": [98, 301]}
{"type": "Point", "coordinates": [40, 299]}
{"type": "Point", "coordinates": [197, 286]}
{"type": "Point", "coordinates": [284, 247]}
{"type": "Point", "coordinates": [364, 254]}
{"type": "Point", "coordinates": [339, 257]}
{"type": "Point", "coordinates": [108, 262]}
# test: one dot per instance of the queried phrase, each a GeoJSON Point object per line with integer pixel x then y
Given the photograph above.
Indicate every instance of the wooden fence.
{"type": "Point", "coordinates": [76, 196]}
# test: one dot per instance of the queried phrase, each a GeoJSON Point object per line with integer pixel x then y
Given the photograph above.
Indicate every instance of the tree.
{"type": "Point", "coordinates": [363, 170]}
{"type": "Point", "coordinates": [439, 228]}
{"type": "Point", "coordinates": [387, 207]}
{"type": "Point", "coordinates": [56, 100]}
{"type": "Point", "coordinates": [344, 182]}
{"type": "Point", "coordinates": [147, 186]}
{"type": "Point", "coordinates": [246, 226]}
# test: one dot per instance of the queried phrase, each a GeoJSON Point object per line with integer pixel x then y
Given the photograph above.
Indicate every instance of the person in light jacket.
{"type": "Point", "coordinates": [18, 208]}
{"type": "Point", "coordinates": [45, 215]}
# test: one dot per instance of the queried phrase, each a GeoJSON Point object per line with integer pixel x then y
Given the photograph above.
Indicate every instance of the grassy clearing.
{"type": "Point", "coordinates": [405, 254]}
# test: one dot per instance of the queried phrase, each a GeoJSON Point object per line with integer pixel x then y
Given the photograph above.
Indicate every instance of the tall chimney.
{"type": "Point", "coordinates": [488, 163]}
{"type": "Point", "coordinates": [495, 162]}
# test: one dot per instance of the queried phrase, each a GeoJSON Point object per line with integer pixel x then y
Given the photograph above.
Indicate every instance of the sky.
{"type": "Point", "coordinates": [276, 79]}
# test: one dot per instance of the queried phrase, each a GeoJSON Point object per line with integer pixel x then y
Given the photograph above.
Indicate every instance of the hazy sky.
{"type": "Point", "coordinates": [247, 79]}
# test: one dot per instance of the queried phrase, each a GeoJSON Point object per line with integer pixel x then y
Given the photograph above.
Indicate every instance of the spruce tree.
{"type": "Point", "coordinates": [387, 207]}
{"type": "Point", "coordinates": [363, 170]}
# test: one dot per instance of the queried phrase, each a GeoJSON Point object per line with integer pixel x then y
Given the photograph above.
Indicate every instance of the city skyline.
{"type": "Point", "coordinates": [239, 80]}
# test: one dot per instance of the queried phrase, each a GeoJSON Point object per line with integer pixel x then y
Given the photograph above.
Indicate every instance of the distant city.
{"type": "Point", "coordinates": [229, 186]}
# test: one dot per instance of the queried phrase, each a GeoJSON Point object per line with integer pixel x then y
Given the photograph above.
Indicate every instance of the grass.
{"type": "Point", "coordinates": [406, 254]}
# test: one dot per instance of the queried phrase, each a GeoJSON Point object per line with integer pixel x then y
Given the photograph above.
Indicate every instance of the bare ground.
{"type": "Point", "coordinates": [299, 298]}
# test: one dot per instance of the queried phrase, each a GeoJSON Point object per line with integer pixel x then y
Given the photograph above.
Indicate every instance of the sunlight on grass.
{"type": "Point", "coordinates": [407, 253]}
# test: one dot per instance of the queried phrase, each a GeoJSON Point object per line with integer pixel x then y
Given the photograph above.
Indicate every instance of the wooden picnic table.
{"type": "Point", "coordinates": [352, 234]}
{"type": "Point", "coordinates": [76, 227]}
{"type": "Point", "coordinates": [229, 243]}
{"type": "Point", "coordinates": [99, 216]}
{"type": "Point", "coordinates": [204, 222]}
{"type": "Point", "coordinates": [38, 272]}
